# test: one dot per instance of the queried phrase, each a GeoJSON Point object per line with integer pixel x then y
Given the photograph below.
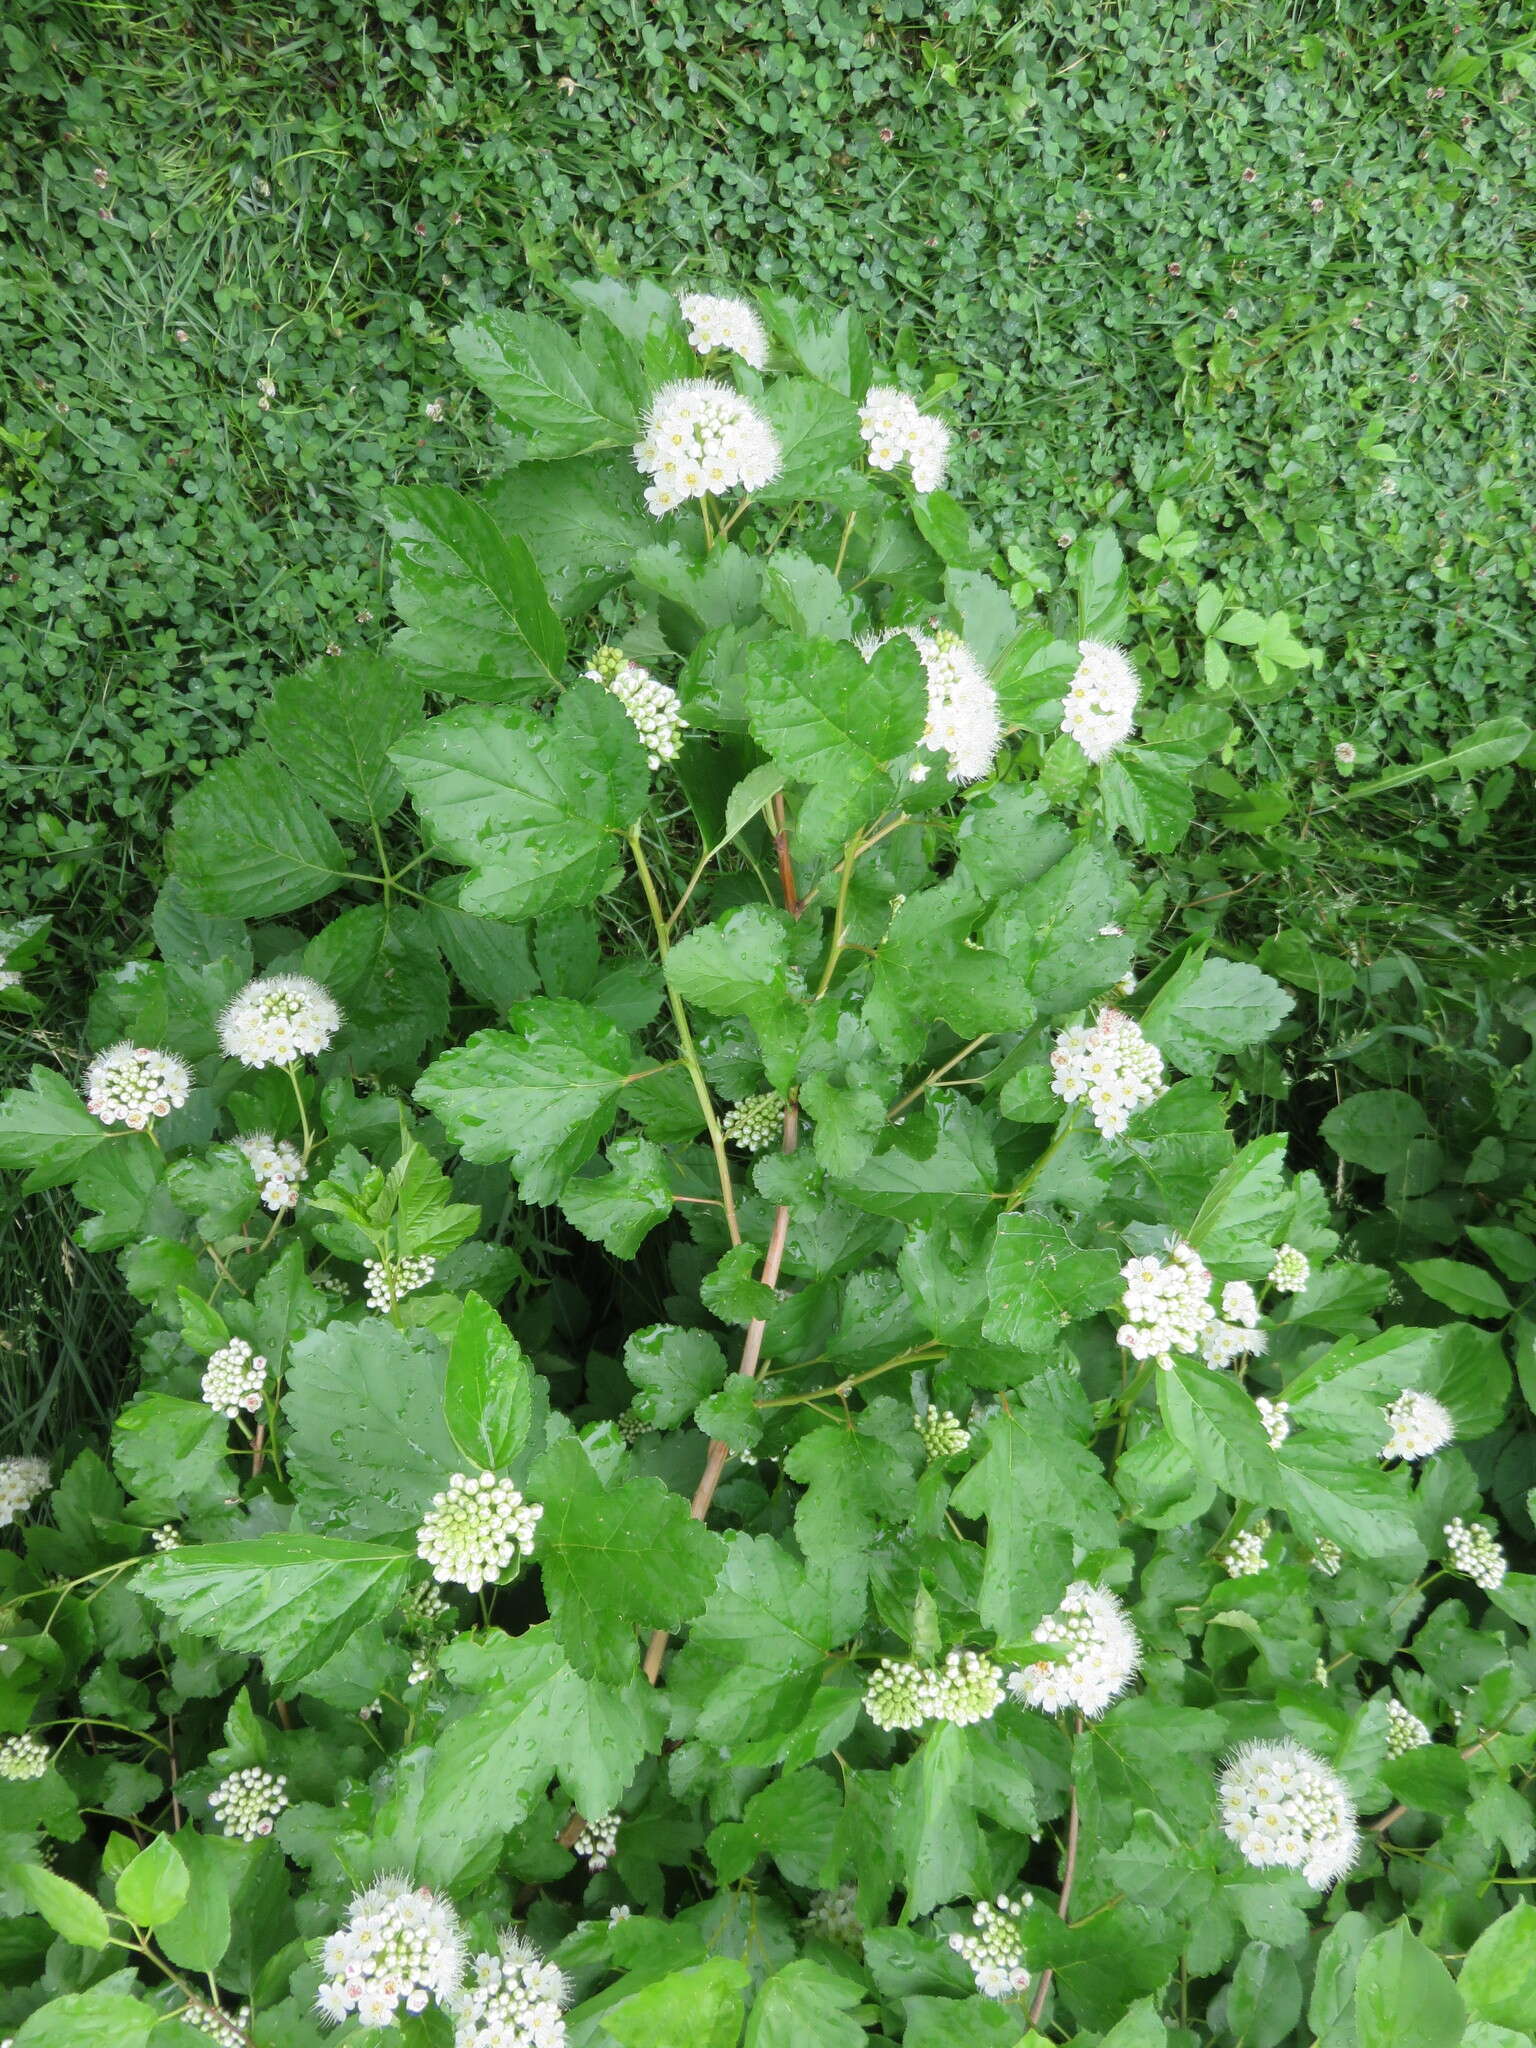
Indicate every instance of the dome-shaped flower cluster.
{"type": "Point", "coordinates": [475, 1528]}
{"type": "Point", "coordinates": [1276, 1418]}
{"type": "Point", "coordinates": [1099, 711]}
{"type": "Point", "coordinates": [965, 1688]}
{"type": "Point", "coordinates": [894, 431]}
{"type": "Point", "coordinates": [399, 1950]}
{"type": "Point", "coordinates": [597, 1841]}
{"type": "Point", "coordinates": [995, 1953]}
{"type": "Point", "coordinates": [963, 719]}
{"type": "Point", "coordinates": [247, 1802]}
{"type": "Point", "coordinates": [1167, 1305]}
{"type": "Point", "coordinates": [1418, 1425]}
{"type": "Point", "coordinates": [277, 1167]}
{"type": "Point", "coordinates": [701, 436]}
{"type": "Point", "coordinates": [234, 1379]}
{"type": "Point", "coordinates": [22, 1480]}
{"type": "Point", "coordinates": [755, 1123]}
{"type": "Point", "coordinates": [1282, 1805]}
{"type": "Point", "coordinates": [1243, 1557]}
{"type": "Point", "coordinates": [655, 710]}
{"type": "Point", "coordinates": [834, 1916]}
{"type": "Point", "coordinates": [514, 1999]}
{"type": "Point", "coordinates": [729, 324]}
{"type": "Point", "coordinates": [23, 1757]}
{"type": "Point", "coordinates": [1405, 1731]}
{"type": "Point", "coordinates": [1473, 1551]}
{"type": "Point", "coordinates": [387, 1281]}
{"type": "Point", "coordinates": [228, 2029]}
{"type": "Point", "coordinates": [1291, 1271]}
{"type": "Point", "coordinates": [1111, 1065]}
{"type": "Point", "coordinates": [942, 1434]}
{"type": "Point", "coordinates": [130, 1084]}
{"type": "Point", "coordinates": [1103, 1654]}
{"type": "Point", "coordinates": [278, 1019]}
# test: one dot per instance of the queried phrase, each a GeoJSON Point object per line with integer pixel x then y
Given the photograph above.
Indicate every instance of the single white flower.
{"type": "Point", "coordinates": [132, 1085]}
{"type": "Point", "coordinates": [474, 1529]}
{"type": "Point", "coordinates": [895, 431]}
{"type": "Point", "coordinates": [729, 324]}
{"type": "Point", "coordinates": [1418, 1426]}
{"type": "Point", "coordinates": [1111, 1066]}
{"type": "Point", "coordinates": [700, 437]}
{"type": "Point", "coordinates": [277, 1019]}
{"type": "Point", "coordinates": [1100, 707]}
{"type": "Point", "coordinates": [1284, 1806]}
{"type": "Point", "coordinates": [1103, 1654]}
{"type": "Point", "coordinates": [963, 721]}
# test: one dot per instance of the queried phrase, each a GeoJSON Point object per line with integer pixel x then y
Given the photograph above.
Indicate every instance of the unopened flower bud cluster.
{"type": "Point", "coordinates": [702, 437]}
{"type": "Point", "coordinates": [964, 1689]}
{"type": "Point", "coordinates": [400, 1950]}
{"type": "Point", "coordinates": [995, 1952]}
{"type": "Point", "coordinates": [474, 1529]}
{"type": "Point", "coordinates": [248, 1802]}
{"type": "Point", "coordinates": [755, 1123]}
{"type": "Point", "coordinates": [895, 431]}
{"type": "Point", "coordinates": [166, 1537]}
{"type": "Point", "coordinates": [1284, 1806]}
{"type": "Point", "coordinates": [598, 1840]}
{"type": "Point", "coordinates": [228, 2029]}
{"type": "Point", "coordinates": [1405, 1730]}
{"type": "Point", "coordinates": [729, 324]}
{"type": "Point", "coordinates": [1099, 711]}
{"type": "Point", "coordinates": [514, 1999]}
{"type": "Point", "coordinates": [22, 1757]}
{"type": "Point", "coordinates": [234, 1379]}
{"type": "Point", "coordinates": [835, 1917]}
{"type": "Point", "coordinates": [277, 1019]}
{"type": "Point", "coordinates": [425, 1613]}
{"type": "Point", "coordinates": [963, 720]}
{"type": "Point", "coordinates": [1276, 1418]}
{"type": "Point", "coordinates": [1473, 1551]}
{"type": "Point", "coordinates": [655, 710]}
{"type": "Point", "coordinates": [1417, 1425]}
{"type": "Point", "coordinates": [277, 1166]}
{"type": "Point", "coordinates": [388, 1281]}
{"type": "Point", "coordinates": [1291, 1271]}
{"type": "Point", "coordinates": [132, 1085]}
{"type": "Point", "coordinates": [21, 1482]}
{"type": "Point", "coordinates": [1243, 1557]}
{"type": "Point", "coordinates": [1103, 1654]}
{"type": "Point", "coordinates": [942, 1434]}
{"type": "Point", "coordinates": [1167, 1304]}
{"type": "Point", "coordinates": [1110, 1065]}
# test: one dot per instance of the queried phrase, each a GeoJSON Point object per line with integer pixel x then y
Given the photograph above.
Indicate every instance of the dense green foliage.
{"type": "Point", "coordinates": [886, 1358]}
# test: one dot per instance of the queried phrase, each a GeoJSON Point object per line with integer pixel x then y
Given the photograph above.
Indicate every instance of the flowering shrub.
{"type": "Point", "coordinates": [960, 1560]}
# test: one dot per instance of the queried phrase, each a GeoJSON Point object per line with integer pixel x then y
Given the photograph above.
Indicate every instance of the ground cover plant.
{"type": "Point", "coordinates": [981, 1556]}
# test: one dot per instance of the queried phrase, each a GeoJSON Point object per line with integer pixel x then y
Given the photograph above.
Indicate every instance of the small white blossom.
{"type": "Point", "coordinates": [1405, 1731]}
{"type": "Point", "coordinates": [729, 324]}
{"type": "Point", "coordinates": [1110, 1065]}
{"type": "Point", "coordinates": [701, 436]}
{"type": "Point", "coordinates": [895, 431]}
{"type": "Point", "coordinates": [1223, 1344]}
{"type": "Point", "coordinates": [1284, 1806]}
{"type": "Point", "coordinates": [1418, 1426]}
{"type": "Point", "coordinates": [387, 1281]}
{"type": "Point", "coordinates": [22, 1480]}
{"type": "Point", "coordinates": [420, 1672]}
{"type": "Point", "coordinates": [963, 718]}
{"type": "Point", "coordinates": [1327, 1556]}
{"type": "Point", "coordinates": [618, 1914]}
{"type": "Point", "coordinates": [399, 1950]}
{"type": "Point", "coordinates": [514, 1999]}
{"type": "Point", "coordinates": [277, 1019]}
{"type": "Point", "coordinates": [1099, 711]}
{"type": "Point", "coordinates": [755, 1123]}
{"type": "Point", "coordinates": [598, 1840]}
{"type": "Point", "coordinates": [1166, 1305]}
{"type": "Point", "coordinates": [23, 1757]}
{"type": "Point", "coordinates": [655, 710]}
{"type": "Point", "coordinates": [1276, 1418]}
{"type": "Point", "coordinates": [834, 1916]}
{"type": "Point", "coordinates": [965, 1688]}
{"type": "Point", "coordinates": [277, 1167]}
{"type": "Point", "coordinates": [1291, 1271]}
{"type": "Point", "coordinates": [1103, 1654]}
{"type": "Point", "coordinates": [247, 1802]}
{"type": "Point", "coordinates": [474, 1529]}
{"type": "Point", "coordinates": [1239, 1304]}
{"type": "Point", "coordinates": [1243, 1557]}
{"type": "Point", "coordinates": [995, 1952]}
{"type": "Point", "coordinates": [942, 1434]}
{"type": "Point", "coordinates": [1473, 1551]}
{"type": "Point", "coordinates": [10, 977]}
{"type": "Point", "coordinates": [234, 1380]}
{"type": "Point", "coordinates": [1344, 755]}
{"type": "Point", "coordinates": [434, 409]}
{"type": "Point", "coordinates": [130, 1084]}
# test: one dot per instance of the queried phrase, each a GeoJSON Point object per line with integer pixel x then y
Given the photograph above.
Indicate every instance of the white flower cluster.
{"type": "Point", "coordinates": [166, 1537]}
{"type": "Point", "coordinates": [228, 2029]}
{"type": "Point", "coordinates": [1166, 1304]}
{"type": "Point", "coordinates": [1103, 1654]}
{"type": "Point", "coordinates": [835, 1917]}
{"type": "Point", "coordinates": [248, 1801]}
{"type": "Point", "coordinates": [701, 436]}
{"type": "Point", "coordinates": [1100, 707]}
{"type": "Point", "coordinates": [965, 1688]}
{"type": "Point", "coordinates": [1126, 985]}
{"type": "Point", "coordinates": [1110, 1064]}
{"type": "Point", "coordinates": [22, 1757]}
{"type": "Point", "coordinates": [474, 1529]}
{"type": "Point", "coordinates": [1282, 1805]}
{"type": "Point", "coordinates": [277, 1166]}
{"type": "Point", "coordinates": [597, 1841]}
{"type": "Point", "coordinates": [1327, 1556]}
{"type": "Point", "coordinates": [1473, 1551]}
{"type": "Point", "coordinates": [1238, 1335]}
{"type": "Point", "coordinates": [400, 1949]}
{"type": "Point", "coordinates": [942, 1434]}
{"type": "Point", "coordinates": [1418, 1426]}
{"type": "Point", "coordinates": [278, 1019]}
{"type": "Point", "coordinates": [1405, 1731]}
{"type": "Point", "coordinates": [1276, 1418]}
{"type": "Point", "coordinates": [387, 1281]}
{"type": "Point", "coordinates": [514, 1999]}
{"type": "Point", "coordinates": [21, 1481]}
{"type": "Point", "coordinates": [1243, 1557]}
{"type": "Point", "coordinates": [234, 1379]}
{"type": "Point", "coordinates": [994, 1952]}
{"type": "Point", "coordinates": [1291, 1271]}
{"type": "Point", "coordinates": [963, 719]}
{"type": "Point", "coordinates": [755, 1123]}
{"type": "Point", "coordinates": [420, 1672]}
{"type": "Point", "coordinates": [655, 710]}
{"type": "Point", "coordinates": [895, 431]}
{"type": "Point", "coordinates": [129, 1084]}
{"type": "Point", "coordinates": [729, 324]}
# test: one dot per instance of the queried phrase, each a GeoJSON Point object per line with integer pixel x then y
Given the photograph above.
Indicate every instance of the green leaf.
{"type": "Point", "coordinates": [367, 1444]}
{"type": "Point", "coordinates": [48, 1129]}
{"type": "Point", "coordinates": [332, 727]}
{"type": "Point", "coordinates": [173, 1453]}
{"type": "Point", "coordinates": [794, 1819]}
{"type": "Point", "coordinates": [830, 346]}
{"type": "Point", "coordinates": [530, 805]}
{"type": "Point", "coordinates": [382, 966]}
{"type": "Point", "coordinates": [1236, 1223]}
{"type": "Point", "coordinates": [739, 965]}
{"type": "Point", "coordinates": [942, 522]}
{"type": "Point", "coordinates": [966, 2023]}
{"type": "Point", "coordinates": [1404, 1997]}
{"type": "Point", "coordinates": [248, 842]}
{"type": "Point", "coordinates": [1373, 1129]}
{"type": "Point", "coordinates": [1212, 1007]}
{"type": "Point", "coordinates": [292, 1600]}
{"type": "Point", "coordinates": [1468, 1290]}
{"type": "Point", "coordinates": [428, 1222]}
{"type": "Point", "coordinates": [1434, 1778]}
{"type": "Point", "coordinates": [155, 1884]}
{"type": "Point", "coordinates": [198, 1937]}
{"type": "Point", "coordinates": [478, 621]}
{"type": "Point", "coordinates": [720, 589]}
{"type": "Point", "coordinates": [69, 1911]}
{"type": "Point", "coordinates": [672, 1370]}
{"type": "Point", "coordinates": [583, 520]}
{"type": "Point", "coordinates": [1498, 1978]}
{"type": "Point", "coordinates": [701, 2006]}
{"type": "Point", "coordinates": [803, 595]}
{"type": "Point", "coordinates": [1039, 1282]}
{"type": "Point", "coordinates": [939, 1844]}
{"type": "Point", "coordinates": [806, 2005]}
{"type": "Point", "coordinates": [488, 1394]}
{"type": "Point", "coordinates": [541, 380]}
{"type": "Point", "coordinates": [1103, 586]}
{"type": "Point", "coordinates": [1218, 1425]}
{"type": "Point", "coordinates": [621, 1206]}
{"type": "Point", "coordinates": [544, 1094]}
{"type": "Point", "coordinates": [819, 444]}
{"type": "Point", "coordinates": [1148, 797]}
{"type": "Point", "coordinates": [824, 713]}
{"type": "Point", "coordinates": [616, 1559]}
{"type": "Point", "coordinates": [89, 2019]}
